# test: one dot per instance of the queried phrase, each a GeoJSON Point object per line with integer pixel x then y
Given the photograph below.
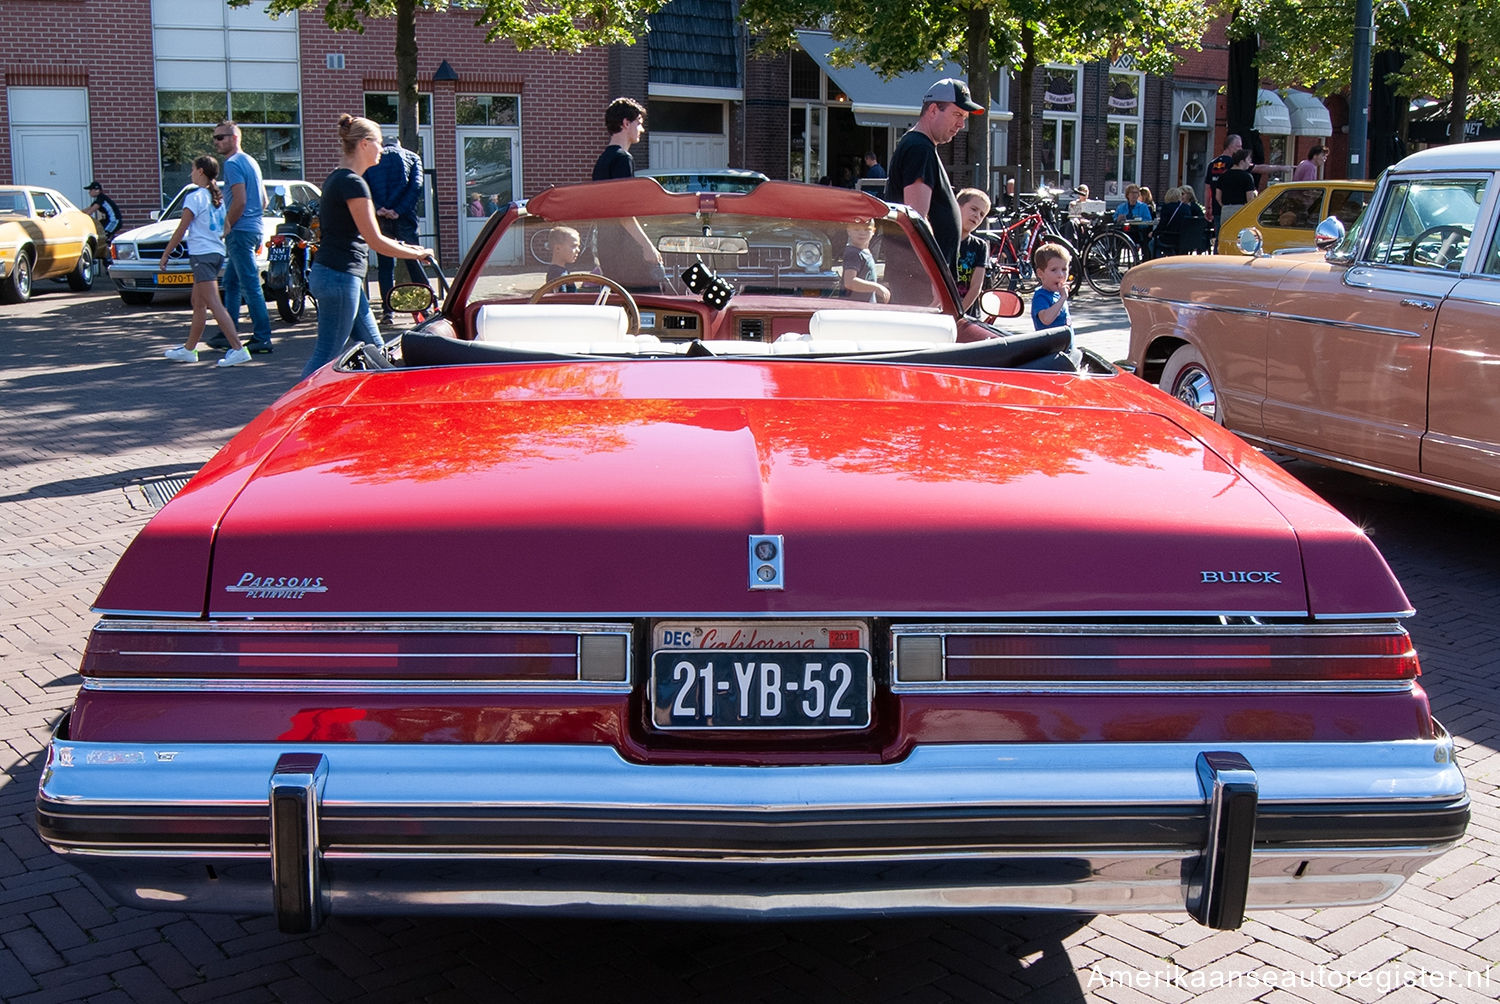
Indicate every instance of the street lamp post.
{"type": "Point", "coordinates": [1359, 88]}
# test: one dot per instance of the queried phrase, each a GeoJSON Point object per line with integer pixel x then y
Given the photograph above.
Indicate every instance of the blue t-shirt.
{"type": "Point", "coordinates": [241, 169]}
{"type": "Point", "coordinates": [1043, 299]}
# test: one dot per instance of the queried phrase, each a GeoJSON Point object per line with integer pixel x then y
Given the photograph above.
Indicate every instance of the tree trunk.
{"type": "Point", "coordinates": [1025, 87]}
{"type": "Point", "coordinates": [980, 87]}
{"type": "Point", "coordinates": [1458, 111]}
{"type": "Point", "coordinates": [406, 72]}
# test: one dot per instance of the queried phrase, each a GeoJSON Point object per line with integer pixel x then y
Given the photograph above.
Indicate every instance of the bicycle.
{"type": "Point", "coordinates": [1015, 242]}
{"type": "Point", "coordinates": [1113, 251]}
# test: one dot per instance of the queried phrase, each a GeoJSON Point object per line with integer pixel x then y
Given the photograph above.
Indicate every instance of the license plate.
{"type": "Point", "coordinates": [279, 252]}
{"type": "Point", "coordinates": [174, 278]}
{"type": "Point", "coordinates": [760, 689]}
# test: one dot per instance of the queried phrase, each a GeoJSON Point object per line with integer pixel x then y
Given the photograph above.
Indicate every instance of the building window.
{"type": "Point", "coordinates": [381, 108]}
{"type": "Point", "coordinates": [1061, 86]}
{"type": "Point", "coordinates": [488, 110]}
{"type": "Point", "coordinates": [687, 117]}
{"type": "Point", "coordinates": [270, 131]}
{"type": "Point", "coordinates": [806, 79]}
{"type": "Point", "coordinates": [1193, 116]}
{"type": "Point", "coordinates": [1124, 90]}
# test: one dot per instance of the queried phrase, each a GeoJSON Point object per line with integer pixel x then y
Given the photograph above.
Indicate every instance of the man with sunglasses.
{"type": "Point", "coordinates": [244, 233]}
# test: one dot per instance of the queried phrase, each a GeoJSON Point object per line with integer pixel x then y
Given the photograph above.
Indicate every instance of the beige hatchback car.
{"type": "Point", "coordinates": [1380, 356]}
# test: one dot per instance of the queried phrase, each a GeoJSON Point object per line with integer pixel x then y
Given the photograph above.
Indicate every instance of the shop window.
{"type": "Point", "coordinates": [488, 110]}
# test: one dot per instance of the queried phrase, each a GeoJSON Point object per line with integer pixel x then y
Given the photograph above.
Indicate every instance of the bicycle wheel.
{"type": "Point", "coordinates": [1106, 259]}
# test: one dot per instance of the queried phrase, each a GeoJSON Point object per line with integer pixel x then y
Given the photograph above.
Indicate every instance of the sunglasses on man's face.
{"type": "Point", "coordinates": [222, 136]}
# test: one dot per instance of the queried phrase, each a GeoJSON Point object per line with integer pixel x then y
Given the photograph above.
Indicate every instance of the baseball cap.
{"type": "Point", "coordinates": [93, 185]}
{"type": "Point", "coordinates": [954, 92]}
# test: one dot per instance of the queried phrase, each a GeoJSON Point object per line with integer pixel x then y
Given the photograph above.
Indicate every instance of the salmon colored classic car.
{"type": "Point", "coordinates": [1381, 356]}
{"type": "Point", "coordinates": [638, 590]}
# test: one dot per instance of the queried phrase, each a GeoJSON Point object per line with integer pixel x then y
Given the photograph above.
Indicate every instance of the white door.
{"type": "Point", "coordinates": [49, 132]}
{"type": "Point", "coordinates": [490, 165]}
{"type": "Point", "coordinates": [688, 151]}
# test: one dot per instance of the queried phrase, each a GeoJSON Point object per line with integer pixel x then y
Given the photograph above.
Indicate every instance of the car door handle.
{"type": "Point", "coordinates": [1419, 304]}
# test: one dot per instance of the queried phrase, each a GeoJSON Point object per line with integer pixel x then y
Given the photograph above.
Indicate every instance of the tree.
{"type": "Point", "coordinates": [562, 26]}
{"type": "Point", "coordinates": [909, 36]}
{"type": "Point", "coordinates": [1451, 50]}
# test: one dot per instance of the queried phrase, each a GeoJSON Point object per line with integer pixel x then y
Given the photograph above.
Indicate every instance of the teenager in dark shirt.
{"type": "Point", "coordinates": [1236, 187]}
{"type": "Point", "coordinates": [348, 231]}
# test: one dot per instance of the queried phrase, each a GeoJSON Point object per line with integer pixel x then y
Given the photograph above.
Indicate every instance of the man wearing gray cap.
{"type": "Point", "coordinates": [916, 175]}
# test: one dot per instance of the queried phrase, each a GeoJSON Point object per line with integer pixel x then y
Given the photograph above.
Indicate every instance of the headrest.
{"type": "Point", "coordinates": [549, 322]}
{"type": "Point", "coordinates": [864, 326]}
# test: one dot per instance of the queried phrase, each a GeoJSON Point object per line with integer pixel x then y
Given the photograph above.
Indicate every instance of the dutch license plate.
{"type": "Point", "coordinates": [278, 252]}
{"type": "Point", "coordinates": [174, 278]}
{"type": "Point", "coordinates": [756, 689]}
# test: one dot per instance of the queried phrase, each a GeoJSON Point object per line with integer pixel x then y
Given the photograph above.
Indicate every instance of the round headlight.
{"type": "Point", "coordinates": [809, 256]}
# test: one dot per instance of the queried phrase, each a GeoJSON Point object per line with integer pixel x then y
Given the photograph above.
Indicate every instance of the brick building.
{"type": "Point", "coordinates": [128, 92]}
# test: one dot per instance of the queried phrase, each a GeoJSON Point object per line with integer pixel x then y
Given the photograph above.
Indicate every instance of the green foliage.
{"type": "Point", "coordinates": [1310, 43]}
{"type": "Point", "coordinates": [907, 36]}
{"type": "Point", "coordinates": [560, 25]}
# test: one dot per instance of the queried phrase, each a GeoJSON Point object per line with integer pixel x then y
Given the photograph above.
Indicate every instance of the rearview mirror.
{"type": "Point", "coordinates": [694, 244]}
{"type": "Point", "coordinates": [1249, 242]}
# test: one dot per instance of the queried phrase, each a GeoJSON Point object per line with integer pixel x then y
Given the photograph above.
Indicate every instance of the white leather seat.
{"type": "Point", "coordinates": [552, 324]}
{"type": "Point", "coordinates": [865, 326]}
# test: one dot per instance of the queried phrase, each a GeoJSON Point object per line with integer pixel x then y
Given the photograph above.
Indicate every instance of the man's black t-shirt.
{"type": "Point", "coordinates": [1216, 169]}
{"type": "Point", "coordinates": [341, 247]}
{"type": "Point", "coordinates": [614, 162]}
{"type": "Point", "coordinates": [916, 159]}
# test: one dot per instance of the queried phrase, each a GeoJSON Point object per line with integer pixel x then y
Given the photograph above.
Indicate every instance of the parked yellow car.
{"type": "Point", "coordinates": [43, 236]}
{"type": "Point", "coordinates": [1286, 213]}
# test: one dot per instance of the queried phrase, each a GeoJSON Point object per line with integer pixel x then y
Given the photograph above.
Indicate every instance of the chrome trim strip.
{"type": "Point", "coordinates": [386, 623]}
{"type": "Point", "coordinates": [950, 776]}
{"type": "Point", "coordinates": [1157, 687]}
{"type": "Point", "coordinates": [277, 618]}
{"type": "Point", "coordinates": [1391, 625]}
{"type": "Point", "coordinates": [337, 685]}
{"type": "Point", "coordinates": [1401, 477]}
{"type": "Point", "coordinates": [1261, 312]}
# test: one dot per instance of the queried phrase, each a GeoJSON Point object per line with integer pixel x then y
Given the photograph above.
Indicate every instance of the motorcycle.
{"type": "Point", "coordinates": [290, 253]}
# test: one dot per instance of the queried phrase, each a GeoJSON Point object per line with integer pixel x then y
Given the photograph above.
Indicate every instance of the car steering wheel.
{"type": "Point", "coordinates": [632, 310]}
{"type": "Point", "coordinates": [1442, 253]}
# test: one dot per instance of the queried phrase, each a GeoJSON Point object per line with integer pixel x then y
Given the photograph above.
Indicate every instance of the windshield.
{"type": "Point", "coordinates": [1427, 222]}
{"type": "Point", "coordinates": [755, 255]}
{"type": "Point", "coordinates": [275, 201]}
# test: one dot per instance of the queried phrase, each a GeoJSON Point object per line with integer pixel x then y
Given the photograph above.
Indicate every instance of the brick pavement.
{"type": "Point", "coordinates": [88, 412]}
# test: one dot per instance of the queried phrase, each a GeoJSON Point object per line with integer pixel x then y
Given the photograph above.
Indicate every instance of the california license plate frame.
{"type": "Point", "coordinates": [761, 676]}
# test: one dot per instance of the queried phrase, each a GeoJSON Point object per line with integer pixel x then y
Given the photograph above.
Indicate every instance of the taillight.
{"type": "Point", "coordinates": [949, 654]}
{"type": "Point", "coordinates": [383, 651]}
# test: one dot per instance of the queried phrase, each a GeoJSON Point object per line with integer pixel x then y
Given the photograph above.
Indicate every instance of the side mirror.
{"type": "Point", "coordinates": [1001, 303]}
{"type": "Point", "coordinates": [155, 215]}
{"type": "Point", "coordinates": [1329, 234]}
{"type": "Point", "coordinates": [1249, 241]}
{"type": "Point", "coordinates": [412, 298]}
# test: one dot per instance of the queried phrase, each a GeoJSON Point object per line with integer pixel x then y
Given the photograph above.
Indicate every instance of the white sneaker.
{"type": "Point", "coordinates": [235, 356]}
{"type": "Point", "coordinates": [181, 354]}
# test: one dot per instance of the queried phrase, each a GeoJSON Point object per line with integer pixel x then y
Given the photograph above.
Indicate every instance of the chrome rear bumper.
{"type": "Point", "coordinates": [1108, 827]}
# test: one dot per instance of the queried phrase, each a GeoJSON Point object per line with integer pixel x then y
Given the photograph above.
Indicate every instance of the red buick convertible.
{"type": "Point", "coordinates": [698, 578]}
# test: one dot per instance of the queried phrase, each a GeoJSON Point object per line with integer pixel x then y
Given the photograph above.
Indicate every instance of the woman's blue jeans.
{"type": "Point", "coordinates": [343, 313]}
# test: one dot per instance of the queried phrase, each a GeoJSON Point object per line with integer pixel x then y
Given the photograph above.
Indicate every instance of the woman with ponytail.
{"type": "Point", "coordinates": [203, 224]}
{"type": "Point", "coordinates": [349, 230]}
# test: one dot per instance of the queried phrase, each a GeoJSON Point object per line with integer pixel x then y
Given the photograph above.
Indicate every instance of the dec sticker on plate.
{"type": "Point", "coordinates": [760, 634]}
